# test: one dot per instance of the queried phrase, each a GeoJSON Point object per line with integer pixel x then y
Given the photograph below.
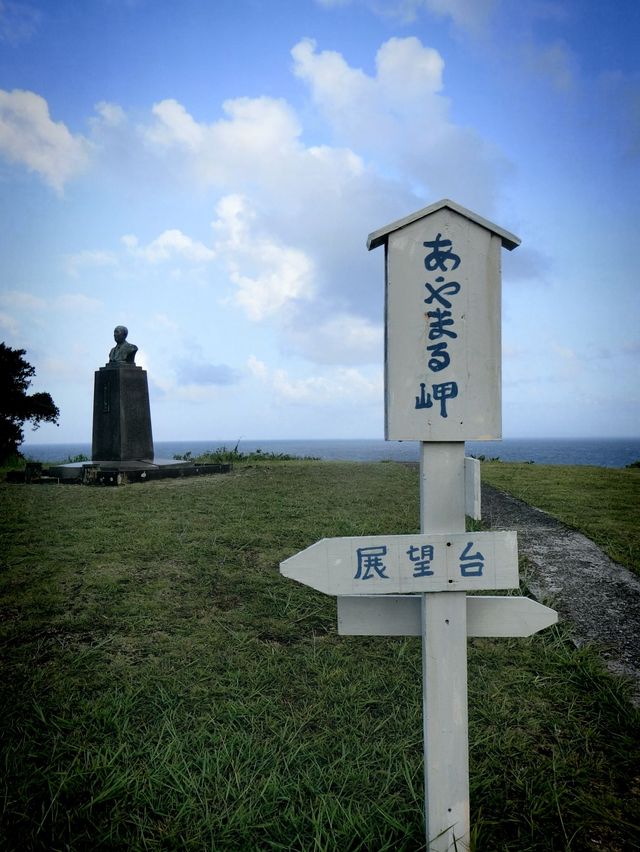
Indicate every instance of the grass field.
{"type": "Point", "coordinates": [164, 688]}
{"type": "Point", "coordinates": [603, 503]}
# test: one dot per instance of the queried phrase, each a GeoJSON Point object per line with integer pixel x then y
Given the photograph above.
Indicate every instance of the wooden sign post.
{"type": "Point", "coordinates": [442, 387]}
{"type": "Point", "coordinates": [443, 372]}
{"type": "Point", "coordinates": [388, 564]}
{"type": "Point", "coordinates": [401, 615]}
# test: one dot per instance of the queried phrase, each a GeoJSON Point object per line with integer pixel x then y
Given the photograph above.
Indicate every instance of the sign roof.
{"type": "Point", "coordinates": [377, 238]}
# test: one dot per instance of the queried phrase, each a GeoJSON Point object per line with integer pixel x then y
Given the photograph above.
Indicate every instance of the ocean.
{"type": "Point", "coordinates": [605, 452]}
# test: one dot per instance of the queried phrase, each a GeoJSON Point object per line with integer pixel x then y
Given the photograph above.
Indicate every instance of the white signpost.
{"type": "Point", "coordinates": [442, 387]}
{"type": "Point", "coordinates": [400, 615]}
{"type": "Point", "coordinates": [383, 565]}
{"type": "Point", "coordinates": [443, 373]}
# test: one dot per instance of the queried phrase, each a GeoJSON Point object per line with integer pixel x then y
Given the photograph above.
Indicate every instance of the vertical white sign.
{"type": "Point", "coordinates": [443, 344]}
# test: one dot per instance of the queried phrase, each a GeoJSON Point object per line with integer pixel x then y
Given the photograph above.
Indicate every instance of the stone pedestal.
{"type": "Point", "coordinates": [121, 414]}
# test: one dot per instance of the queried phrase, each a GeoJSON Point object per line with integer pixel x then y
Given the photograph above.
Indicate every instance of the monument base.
{"type": "Point", "coordinates": [121, 414]}
{"type": "Point", "coordinates": [114, 472]}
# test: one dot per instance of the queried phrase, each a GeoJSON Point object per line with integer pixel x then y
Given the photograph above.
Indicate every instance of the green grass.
{"type": "Point", "coordinates": [603, 503]}
{"type": "Point", "coordinates": [163, 687]}
{"type": "Point", "coordinates": [225, 455]}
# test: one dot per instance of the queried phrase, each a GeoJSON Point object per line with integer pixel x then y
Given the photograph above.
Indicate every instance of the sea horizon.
{"type": "Point", "coordinates": [601, 452]}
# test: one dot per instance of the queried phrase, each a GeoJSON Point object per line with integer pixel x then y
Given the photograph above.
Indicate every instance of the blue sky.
{"type": "Point", "coordinates": [207, 173]}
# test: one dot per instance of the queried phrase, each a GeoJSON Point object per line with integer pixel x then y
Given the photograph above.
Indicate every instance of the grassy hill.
{"type": "Point", "coordinates": [603, 503]}
{"type": "Point", "coordinates": [163, 687]}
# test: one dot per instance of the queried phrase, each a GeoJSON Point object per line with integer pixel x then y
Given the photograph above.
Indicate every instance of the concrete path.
{"type": "Point", "coordinates": [569, 572]}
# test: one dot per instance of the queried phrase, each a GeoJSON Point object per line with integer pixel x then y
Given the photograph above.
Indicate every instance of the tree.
{"type": "Point", "coordinates": [16, 405]}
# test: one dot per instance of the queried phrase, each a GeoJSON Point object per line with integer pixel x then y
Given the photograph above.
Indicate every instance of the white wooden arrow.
{"type": "Point", "coordinates": [400, 615]}
{"type": "Point", "coordinates": [383, 565]}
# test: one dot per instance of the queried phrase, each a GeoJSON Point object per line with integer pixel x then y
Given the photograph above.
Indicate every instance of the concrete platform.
{"type": "Point", "coordinates": [110, 472]}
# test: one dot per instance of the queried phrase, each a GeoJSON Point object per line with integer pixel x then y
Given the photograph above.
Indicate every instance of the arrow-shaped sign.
{"type": "Point", "coordinates": [382, 565]}
{"type": "Point", "coordinates": [399, 615]}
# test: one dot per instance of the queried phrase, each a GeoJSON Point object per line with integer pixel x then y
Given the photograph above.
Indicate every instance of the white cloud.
{"type": "Point", "coordinates": [171, 244]}
{"type": "Point", "coordinates": [268, 275]}
{"type": "Point", "coordinates": [18, 22]}
{"type": "Point", "coordinates": [78, 303]}
{"type": "Point", "coordinates": [22, 300]}
{"type": "Point", "coordinates": [468, 15]}
{"type": "Point", "coordinates": [407, 69]}
{"type": "Point", "coordinates": [174, 126]}
{"type": "Point", "coordinates": [162, 321]}
{"type": "Point", "coordinates": [291, 229]}
{"type": "Point", "coordinates": [257, 368]}
{"type": "Point", "coordinates": [568, 364]}
{"type": "Point", "coordinates": [400, 118]}
{"type": "Point", "coordinates": [255, 148]}
{"type": "Point", "coordinates": [181, 388]}
{"type": "Point", "coordinates": [305, 212]}
{"type": "Point", "coordinates": [63, 366]}
{"type": "Point", "coordinates": [338, 89]}
{"type": "Point", "coordinates": [8, 324]}
{"type": "Point", "coordinates": [28, 136]}
{"type": "Point", "coordinates": [87, 259]}
{"type": "Point", "coordinates": [30, 304]}
{"type": "Point", "coordinates": [342, 384]}
{"type": "Point", "coordinates": [340, 339]}
{"type": "Point", "coordinates": [334, 386]}
{"type": "Point", "coordinates": [112, 115]}
{"type": "Point", "coordinates": [347, 96]}
{"type": "Point", "coordinates": [554, 61]}
{"type": "Point", "coordinates": [195, 372]}
{"type": "Point", "coordinates": [194, 393]}
{"type": "Point", "coordinates": [257, 133]}
{"type": "Point", "coordinates": [313, 205]}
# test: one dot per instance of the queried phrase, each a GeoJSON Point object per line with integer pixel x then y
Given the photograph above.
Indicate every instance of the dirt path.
{"type": "Point", "coordinates": [599, 597]}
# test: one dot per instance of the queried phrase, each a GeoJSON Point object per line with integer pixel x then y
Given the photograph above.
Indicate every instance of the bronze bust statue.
{"type": "Point", "coordinates": [122, 352]}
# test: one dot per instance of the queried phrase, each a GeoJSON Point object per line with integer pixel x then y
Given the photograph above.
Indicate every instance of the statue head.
{"type": "Point", "coordinates": [120, 333]}
{"type": "Point", "coordinates": [123, 352]}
